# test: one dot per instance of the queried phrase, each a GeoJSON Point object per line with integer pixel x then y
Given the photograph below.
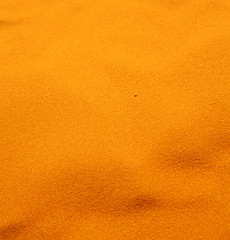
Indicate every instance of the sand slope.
{"type": "Point", "coordinates": [114, 120]}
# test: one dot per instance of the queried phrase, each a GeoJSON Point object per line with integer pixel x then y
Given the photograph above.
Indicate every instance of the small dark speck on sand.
{"type": "Point", "coordinates": [135, 95]}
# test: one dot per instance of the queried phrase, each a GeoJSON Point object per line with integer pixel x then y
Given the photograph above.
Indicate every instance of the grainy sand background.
{"type": "Point", "coordinates": [115, 120]}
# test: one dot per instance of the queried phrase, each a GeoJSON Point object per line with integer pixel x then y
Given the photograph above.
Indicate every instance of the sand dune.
{"type": "Point", "coordinates": [114, 120]}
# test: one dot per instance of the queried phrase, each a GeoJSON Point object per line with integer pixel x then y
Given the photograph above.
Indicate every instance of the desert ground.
{"type": "Point", "coordinates": [115, 120]}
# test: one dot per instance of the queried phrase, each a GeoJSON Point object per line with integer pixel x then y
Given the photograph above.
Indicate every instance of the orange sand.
{"type": "Point", "coordinates": [114, 120]}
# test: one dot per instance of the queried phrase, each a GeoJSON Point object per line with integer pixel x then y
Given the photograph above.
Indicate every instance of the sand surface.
{"type": "Point", "coordinates": [115, 120]}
